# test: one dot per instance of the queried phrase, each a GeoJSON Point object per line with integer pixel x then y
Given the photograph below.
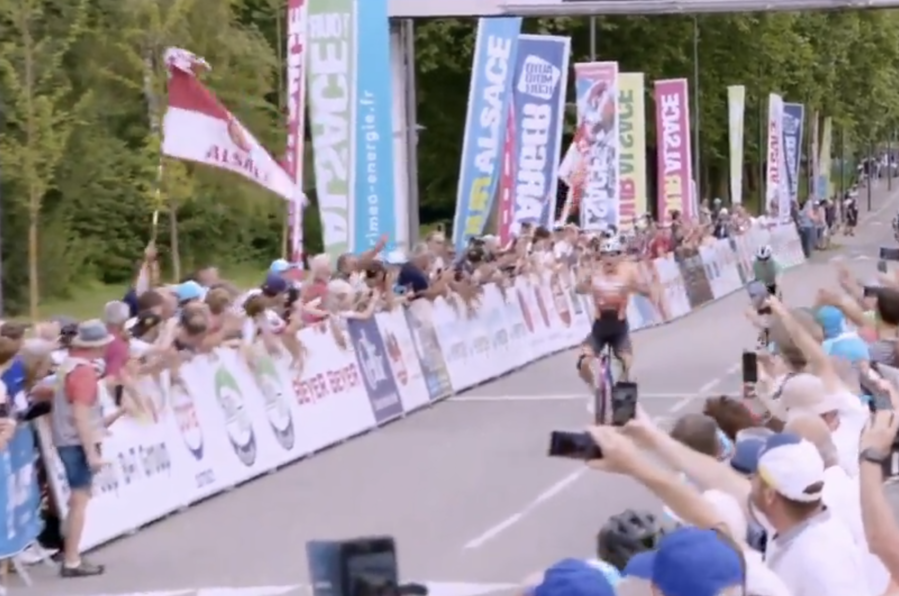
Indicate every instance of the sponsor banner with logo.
{"type": "Point", "coordinates": [296, 118]}
{"type": "Point", "coordinates": [374, 184]}
{"type": "Point", "coordinates": [793, 122]}
{"type": "Point", "coordinates": [20, 496]}
{"type": "Point", "coordinates": [632, 143]}
{"type": "Point", "coordinates": [371, 353]}
{"type": "Point", "coordinates": [823, 186]}
{"type": "Point", "coordinates": [538, 104]}
{"type": "Point", "coordinates": [675, 167]}
{"type": "Point", "coordinates": [594, 177]}
{"type": "Point", "coordinates": [505, 204]}
{"type": "Point", "coordinates": [736, 107]}
{"type": "Point", "coordinates": [488, 103]}
{"type": "Point", "coordinates": [813, 157]}
{"type": "Point", "coordinates": [333, 41]}
{"type": "Point", "coordinates": [777, 192]}
{"type": "Point", "coordinates": [230, 416]}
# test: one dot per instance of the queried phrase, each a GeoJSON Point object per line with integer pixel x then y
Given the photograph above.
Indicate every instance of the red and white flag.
{"type": "Point", "coordinates": [197, 127]}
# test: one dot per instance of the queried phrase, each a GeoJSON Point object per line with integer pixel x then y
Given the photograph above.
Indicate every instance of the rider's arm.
{"type": "Point", "coordinates": [810, 348]}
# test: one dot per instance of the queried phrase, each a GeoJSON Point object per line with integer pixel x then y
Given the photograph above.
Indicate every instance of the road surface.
{"type": "Point", "coordinates": [465, 487]}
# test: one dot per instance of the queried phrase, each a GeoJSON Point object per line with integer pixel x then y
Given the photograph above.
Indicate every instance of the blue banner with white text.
{"type": "Point", "coordinates": [793, 118]}
{"type": "Point", "coordinates": [375, 210]}
{"type": "Point", "coordinates": [20, 497]}
{"type": "Point", "coordinates": [488, 103]}
{"type": "Point", "coordinates": [538, 100]}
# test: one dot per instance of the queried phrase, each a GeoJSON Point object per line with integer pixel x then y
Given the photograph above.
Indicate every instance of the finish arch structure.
{"type": "Point", "coordinates": [402, 37]}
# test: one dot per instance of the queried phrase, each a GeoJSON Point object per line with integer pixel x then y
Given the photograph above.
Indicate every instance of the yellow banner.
{"type": "Point", "coordinates": [632, 147]}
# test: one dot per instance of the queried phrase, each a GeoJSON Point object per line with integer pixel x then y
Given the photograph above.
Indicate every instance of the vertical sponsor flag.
{"type": "Point", "coordinates": [813, 156]}
{"type": "Point", "coordinates": [485, 123]}
{"type": "Point", "coordinates": [824, 186]}
{"type": "Point", "coordinates": [505, 210]}
{"type": "Point", "coordinates": [632, 144]}
{"type": "Point", "coordinates": [736, 109]}
{"type": "Point", "coordinates": [793, 119]}
{"type": "Point", "coordinates": [675, 165]}
{"type": "Point", "coordinates": [775, 177]}
{"type": "Point", "coordinates": [595, 177]}
{"type": "Point", "coordinates": [570, 166]}
{"type": "Point", "coordinates": [538, 107]}
{"type": "Point", "coordinates": [332, 116]}
{"type": "Point", "coordinates": [296, 106]}
{"type": "Point", "coordinates": [375, 211]}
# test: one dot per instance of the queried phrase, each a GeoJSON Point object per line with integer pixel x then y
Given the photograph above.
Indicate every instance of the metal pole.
{"type": "Point", "coordinates": [890, 161]}
{"type": "Point", "coordinates": [592, 39]}
{"type": "Point", "coordinates": [763, 151]}
{"type": "Point", "coordinates": [870, 168]}
{"type": "Point", "coordinates": [842, 163]}
{"type": "Point", "coordinates": [697, 162]}
{"type": "Point", "coordinates": [408, 38]}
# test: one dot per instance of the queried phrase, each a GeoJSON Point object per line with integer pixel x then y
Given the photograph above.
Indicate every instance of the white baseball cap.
{"type": "Point", "coordinates": [792, 467]}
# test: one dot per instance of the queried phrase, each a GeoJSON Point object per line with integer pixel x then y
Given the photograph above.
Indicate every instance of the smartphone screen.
{"type": "Point", "coordinates": [573, 445]}
{"type": "Point", "coordinates": [889, 253]}
{"type": "Point", "coordinates": [750, 367]}
{"type": "Point", "coordinates": [624, 403]}
{"type": "Point", "coordinates": [882, 266]}
{"type": "Point", "coordinates": [371, 567]}
{"type": "Point", "coordinates": [323, 560]}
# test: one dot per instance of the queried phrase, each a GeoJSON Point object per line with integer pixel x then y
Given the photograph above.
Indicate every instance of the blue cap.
{"type": "Point", "coordinates": [274, 284]}
{"type": "Point", "coordinates": [573, 577]}
{"type": "Point", "coordinates": [745, 459]}
{"type": "Point", "coordinates": [690, 562]}
{"type": "Point", "coordinates": [189, 290]}
{"type": "Point", "coordinates": [831, 320]}
{"type": "Point", "coordinates": [280, 266]}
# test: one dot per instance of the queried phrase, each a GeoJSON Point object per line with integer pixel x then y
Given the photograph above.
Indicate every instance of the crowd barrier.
{"type": "Point", "coordinates": [227, 419]}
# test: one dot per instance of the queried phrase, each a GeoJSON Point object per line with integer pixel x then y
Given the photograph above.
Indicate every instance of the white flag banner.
{"type": "Point", "coordinates": [197, 127]}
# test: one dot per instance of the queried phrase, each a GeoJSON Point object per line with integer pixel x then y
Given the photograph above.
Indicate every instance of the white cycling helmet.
{"type": "Point", "coordinates": [763, 253]}
{"type": "Point", "coordinates": [610, 246]}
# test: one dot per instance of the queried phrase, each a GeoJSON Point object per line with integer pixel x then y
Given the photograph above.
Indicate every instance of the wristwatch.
{"type": "Point", "coordinates": [875, 456]}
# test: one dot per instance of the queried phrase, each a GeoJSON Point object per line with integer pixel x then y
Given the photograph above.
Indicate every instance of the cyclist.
{"type": "Point", "coordinates": [611, 286]}
{"type": "Point", "coordinates": [766, 269]}
{"type": "Point", "coordinates": [622, 536]}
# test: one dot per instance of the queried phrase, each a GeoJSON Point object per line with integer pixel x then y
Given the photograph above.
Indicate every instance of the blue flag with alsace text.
{"type": "Point", "coordinates": [538, 100]}
{"type": "Point", "coordinates": [793, 118]}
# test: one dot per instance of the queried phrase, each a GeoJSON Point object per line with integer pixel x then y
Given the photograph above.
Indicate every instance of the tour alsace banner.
{"type": "Point", "coordinates": [485, 123]}
{"type": "Point", "coordinates": [793, 119]}
{"type": "Point", "coordinates": [538, 108]}
{"type": "Point", "coordinates": [296, 107]}
{"type": "Point", "coordinates": [777, 194]}
{"type": "Point", "coordinates": [736, 108]}
{"type": "Point", "coordinates": [675, 165]}
{"type": "Point", "coordinates": [332, 73]}
{"type": "Point", "coordinates": [823, 185]}
{"type": "Point", "coordinates": [594, 176]}
{"type": "Point", "coordinates": [632, 144]}
{"type": "Point", "coordinates": [375, 209]}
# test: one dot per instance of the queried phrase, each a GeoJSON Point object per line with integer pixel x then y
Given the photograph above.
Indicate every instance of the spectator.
{"type": "Point", "coordinates": [78, 426]}
{"type": "Point", "coordinates": [315, 290]}
{"type": "Point", "coordinates": [189, 292]}
{"type": "Point", "coordinates": [115, 315]}
{"type": "Point", "coordinates": [414, 275]}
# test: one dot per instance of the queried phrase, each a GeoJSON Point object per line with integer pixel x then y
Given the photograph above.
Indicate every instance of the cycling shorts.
{"type": "Point", "coordinates": [614, 333]}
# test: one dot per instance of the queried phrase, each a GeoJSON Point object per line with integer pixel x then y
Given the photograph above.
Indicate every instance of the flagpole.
{"type": "Point", "coordinates": [592, 39]}
{"type": "Point", "coordinates": [697, 160]}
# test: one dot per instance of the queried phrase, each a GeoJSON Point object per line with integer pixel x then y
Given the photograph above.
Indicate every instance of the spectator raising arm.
{"type": "Point", "coordinates": [881, 529]}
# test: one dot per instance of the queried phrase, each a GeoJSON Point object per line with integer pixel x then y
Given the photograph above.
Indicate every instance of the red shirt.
{"type": "Point", "coordinates": [81, 385]}
{"type": "Point", "coordinates": [116, 356]}
{"type": "Point", "coordinates": [316, 289]}
{"type": "Point", "coordinates": [659, 246]}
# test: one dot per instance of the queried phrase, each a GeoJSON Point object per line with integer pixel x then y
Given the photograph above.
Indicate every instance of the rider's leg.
{"type": "Point", "coordinates": [592, 346]}
{"type": "Point", "coordinates": [624, 352]}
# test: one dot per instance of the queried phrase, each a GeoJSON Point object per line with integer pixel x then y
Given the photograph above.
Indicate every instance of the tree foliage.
{"type": "Point", "coordinates": [87, 172]}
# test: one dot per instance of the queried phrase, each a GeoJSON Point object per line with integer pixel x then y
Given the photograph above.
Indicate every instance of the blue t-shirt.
{"type": "Point", "coordinates": [413, 278]}
{"type": "Point", "coordinates": [14, 378]}
{"type": "Point", "coordinates": [848, 346]}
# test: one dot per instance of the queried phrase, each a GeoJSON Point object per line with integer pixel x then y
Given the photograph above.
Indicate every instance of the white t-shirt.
{"type": "Point", "coordinates": [853, 417]}
{"type": "Point", "coordinates": [760, 580]}
{"type": "Point", "coordinates": [819, 558]}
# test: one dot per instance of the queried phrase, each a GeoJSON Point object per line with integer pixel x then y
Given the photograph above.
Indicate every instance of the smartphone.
{"type": "Point", "coordinates": [370, 566]}
{"type": "Point", "coordinates": [4, 410]}
{"type": "Point", "coordinates": [323, 561]}
{"type": "Point", "coordinates": [573, 445]}
{"type": "Point", "coordinates": [882, 266]}
{"type": "Point", "coordinates": [624, 403]}
{"type": "Point", "coordinates": [889, 253]}
{"type": "Point", "coordinates": [750, 367]}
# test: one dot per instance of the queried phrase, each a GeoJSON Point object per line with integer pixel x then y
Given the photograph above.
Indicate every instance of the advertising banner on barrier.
{"type": "Point", "coordinates": [736, 108]}
{"type": "Point", "coordinates": [372, 356]}
{"type": "Point", "coordinates": [332, 118]}
{"type": "Point", "coordinates": [538, 105]}
{"type": "Point", "coordinates": [297, 24]}
{"type": "Point", "coordinates": [427, 347]}
{"type": "Point", "coordinates": [793, 121]}
{"type": "Point", "coordinates": [20, 497]}
{"type": "Point", "coordinates": [777, 193]}
{"type": "Point", "coordinates": [374, 184]}
{"type": "Point", "coordinates": [675, 167]}
{"type": "Point", "coordinates": [632, 145]}
{"type": "Point", "coordinates": [824, 186]}
{"type": "Point", "coordinates": [488, 103]}
{"type": "Point", "coordinates": [696, 282]}
{"type": "Point", "coordinates": [596, 143]}
{"type": "Point", "coordinates": [505, 204]}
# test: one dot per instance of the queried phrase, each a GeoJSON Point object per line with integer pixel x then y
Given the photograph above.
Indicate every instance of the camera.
{"type": "Point", "coordinates": [357, 567]}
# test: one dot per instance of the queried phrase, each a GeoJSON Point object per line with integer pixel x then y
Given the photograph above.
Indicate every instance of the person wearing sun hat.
{"type": "Point", "coordinates": [691, 562]}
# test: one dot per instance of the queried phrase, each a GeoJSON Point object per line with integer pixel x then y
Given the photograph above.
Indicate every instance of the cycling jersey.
{"type": "Point", "coordinates": [766, 271]}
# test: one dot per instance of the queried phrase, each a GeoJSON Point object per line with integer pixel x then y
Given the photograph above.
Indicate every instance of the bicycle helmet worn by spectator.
{"type": "Point", "coordinates": [610, 246]}
{"type": "Point", "coordinates": [627, 534]}
{"type": "Point", "coordinates": [763, 253]}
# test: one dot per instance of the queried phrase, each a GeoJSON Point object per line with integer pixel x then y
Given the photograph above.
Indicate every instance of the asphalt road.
{"type": "Point", "coordinates": [464, 487]}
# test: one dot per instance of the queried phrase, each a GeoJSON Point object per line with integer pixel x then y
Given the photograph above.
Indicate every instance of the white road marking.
{"type": "Point", "coordinates": [704, 390]}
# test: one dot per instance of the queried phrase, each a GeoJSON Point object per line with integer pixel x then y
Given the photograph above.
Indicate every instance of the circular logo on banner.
{"type": "Point", "coordinates": [237, 420]}
{"type": "Point", "coordinates": [525, 312]}
{"type": "Point", "coordinates": [560, 301]}
{"type": "Point", "coordinates": [186, 416]}
{"type": "Point", "coordinates": [541, 306]}
{"type": "Point", "coordinates": [277, 409]}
